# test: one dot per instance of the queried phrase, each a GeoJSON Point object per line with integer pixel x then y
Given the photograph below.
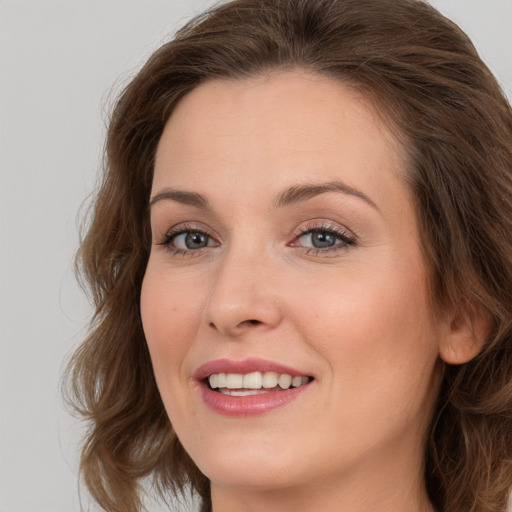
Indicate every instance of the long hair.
{"type": "Point", "coordinates": [455, 124]}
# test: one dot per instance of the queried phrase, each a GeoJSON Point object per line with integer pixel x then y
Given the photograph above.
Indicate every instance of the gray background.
{"type": "Point", "coordinates": [61, 64]}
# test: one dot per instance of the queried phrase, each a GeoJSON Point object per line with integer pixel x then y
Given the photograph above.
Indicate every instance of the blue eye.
{"type": "Point", "coordinates": [319, 239]}
{"type": "Point", "coordinates": [323, 239]}
{"type": "Point", "coordinates": [185, 240]}
{"type": "Point", "coordinates": [191, 240]}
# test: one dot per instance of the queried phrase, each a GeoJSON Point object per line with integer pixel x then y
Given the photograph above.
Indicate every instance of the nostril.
{"type": "Point", "coordinates": [249, 322]}
{"type": "Point", "coordinates": [235, 329]}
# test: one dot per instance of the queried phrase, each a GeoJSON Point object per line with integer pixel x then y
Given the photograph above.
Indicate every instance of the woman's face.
{"type": "Point", "coordinates": [285, 243]}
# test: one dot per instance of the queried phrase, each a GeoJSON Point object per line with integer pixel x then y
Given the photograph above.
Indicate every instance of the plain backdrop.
{"type": "Point", "coordinates": [61, 64]}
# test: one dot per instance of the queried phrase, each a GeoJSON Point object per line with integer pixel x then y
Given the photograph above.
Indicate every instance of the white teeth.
{"type": "Point", "coordinates": [296, 381]}
{"type": "Point", "coordinates": [214, 380]}
{"type": "Point", "coordinates": [234, 381]}
{"type": "Point", "coordinates": [285, 381]}
{"type": "Point", "coordinates": [238, 392]}
{"type": "Point", "coordinates": [253, 380]}
{"type": "Point", "coordinates": [253, 383]}
{"type": "Point", "coordinates": [270, 380]}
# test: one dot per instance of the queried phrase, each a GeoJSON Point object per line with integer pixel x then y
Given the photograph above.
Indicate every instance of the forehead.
{"type": "Point", "coordinates": [274, 129]}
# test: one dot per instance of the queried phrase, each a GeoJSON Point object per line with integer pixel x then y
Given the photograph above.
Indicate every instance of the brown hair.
{"type": "Point", "coordinates": [456, 127]}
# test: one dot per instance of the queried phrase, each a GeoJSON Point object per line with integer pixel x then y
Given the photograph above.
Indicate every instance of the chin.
{"type": "Point", "coordinates": [252, 476]}
{"type": "Point", "coordinates": [257, 467]}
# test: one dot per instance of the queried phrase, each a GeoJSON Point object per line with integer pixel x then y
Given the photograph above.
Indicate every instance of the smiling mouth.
{"type": "Point", "coordinates": [254, 383]}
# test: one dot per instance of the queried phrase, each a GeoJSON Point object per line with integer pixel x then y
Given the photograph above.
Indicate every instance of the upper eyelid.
{"type": "Point", "coordinates": [183, 227]}
{"type": "Point", "coordinates": [326, 225]}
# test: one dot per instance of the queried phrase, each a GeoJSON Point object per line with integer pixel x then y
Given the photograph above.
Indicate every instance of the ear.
{"type": "Point", "coordinates": [466, 333]}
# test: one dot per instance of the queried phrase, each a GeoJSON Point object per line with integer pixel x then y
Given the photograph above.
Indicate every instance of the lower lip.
{"type": "Point", "coordinates": [248, 405]}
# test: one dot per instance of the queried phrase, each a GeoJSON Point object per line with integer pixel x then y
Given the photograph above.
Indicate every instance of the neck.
{"type": "Point", "coordinates": [370, 486]}
{"type": "Point", "coordinates": [307, 498]}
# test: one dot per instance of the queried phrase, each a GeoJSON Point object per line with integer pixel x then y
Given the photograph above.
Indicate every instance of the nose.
{"type": "Point", "coordinates": [243, 297]}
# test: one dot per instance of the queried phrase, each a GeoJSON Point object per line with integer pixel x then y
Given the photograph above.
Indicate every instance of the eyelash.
{"type": "Point", "coordinates": [346, 239]}
{"type": "Point", "coordinates": [182, 229]}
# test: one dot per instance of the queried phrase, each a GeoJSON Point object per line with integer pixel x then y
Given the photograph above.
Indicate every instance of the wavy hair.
{"type": "Point", "coordinates": [455, 124]}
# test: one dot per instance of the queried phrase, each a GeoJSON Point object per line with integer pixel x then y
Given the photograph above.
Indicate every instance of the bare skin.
{"type": "Point", "coordinates": [330, 282]}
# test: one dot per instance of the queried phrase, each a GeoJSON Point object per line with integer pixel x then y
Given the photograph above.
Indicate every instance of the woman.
{"type": "Point", "coordinates": [301, 260]}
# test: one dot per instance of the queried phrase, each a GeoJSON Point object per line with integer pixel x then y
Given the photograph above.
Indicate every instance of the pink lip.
{"type": "Point", "coordinates": [245, 366]}
{"type": "Point", "coordinates": [245, 405]}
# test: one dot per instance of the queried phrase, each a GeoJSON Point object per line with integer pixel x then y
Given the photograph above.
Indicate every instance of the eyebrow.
{"type": "Point", "coordinates": [307, 191]}
{"type": "Point", "coordinates": [291, 195]}
{"type": "Point", "coordinates": [181, 196]}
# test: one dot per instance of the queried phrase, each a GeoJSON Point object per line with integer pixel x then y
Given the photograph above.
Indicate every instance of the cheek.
{"type": "Point", "coordinates": [375, 329]}
{"type": "Point", "coordinates": [170, 315]}
{"type": "Point", "coordinates": [383, 299]}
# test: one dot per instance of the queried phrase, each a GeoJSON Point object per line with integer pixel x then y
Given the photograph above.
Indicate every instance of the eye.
{"type": "Point", "coordinates": [185, 240]}
{"type": "Point", "coordinates": [191, 240]}
{"type": "Point", "coordinates": [320, 239]}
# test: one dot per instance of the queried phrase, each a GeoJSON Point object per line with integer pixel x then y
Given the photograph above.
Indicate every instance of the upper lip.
{"type": "Point", "coordinates": [243, 367]}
